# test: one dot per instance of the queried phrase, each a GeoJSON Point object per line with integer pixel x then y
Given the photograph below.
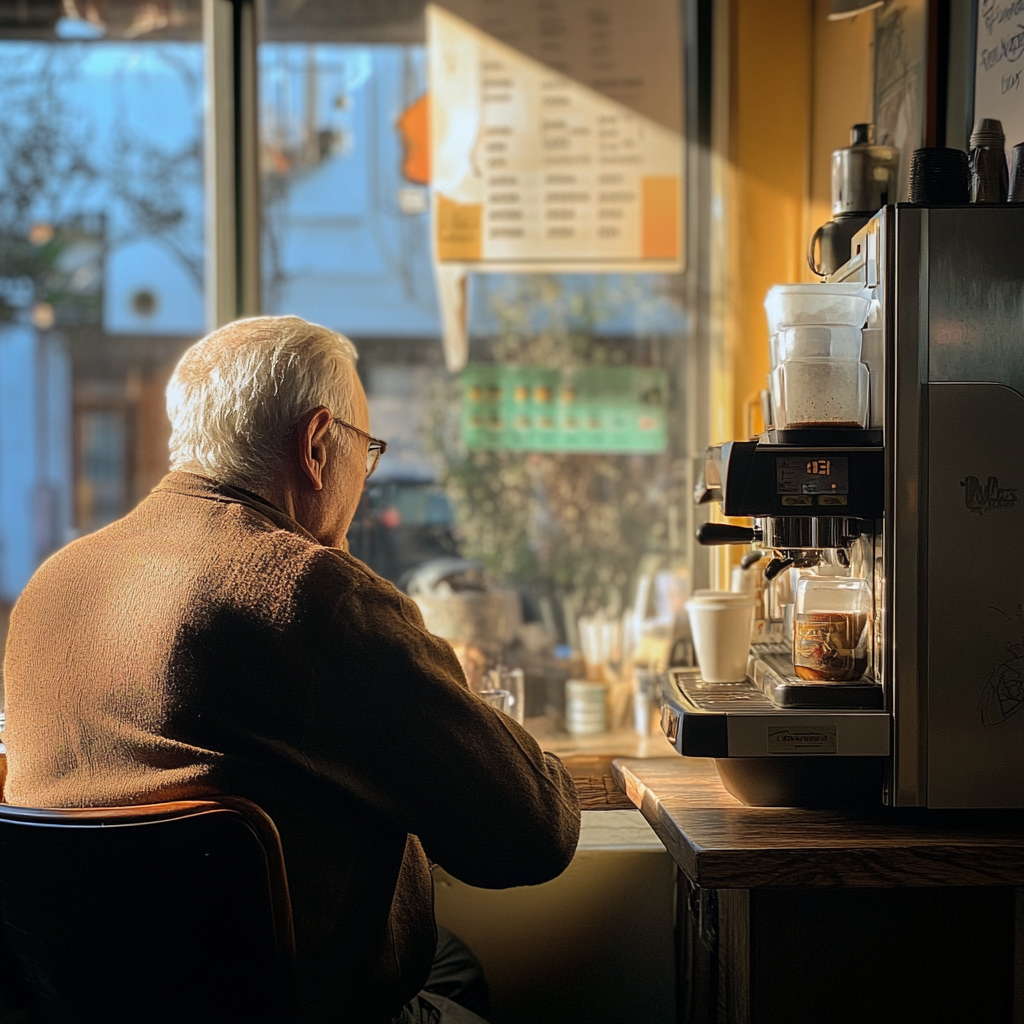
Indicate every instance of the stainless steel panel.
{"type": "Point", "coordinates": [905, 259]}
{"type": "Point", "coordinates": [976, 295]}
{"type": "Point", "coordinates": [808, 532]}
{"type": "Point", "coordinates": [975, 607]}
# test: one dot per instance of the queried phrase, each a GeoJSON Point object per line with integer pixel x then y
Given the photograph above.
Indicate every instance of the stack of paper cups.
{"type": "Point", "coordinates": [585, 707]}
{"type": "Point", "coordinates": [720, 621]}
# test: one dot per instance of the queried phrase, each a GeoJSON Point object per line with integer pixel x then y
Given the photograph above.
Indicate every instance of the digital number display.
{"type": "Point", "coordinates": [810, 475]}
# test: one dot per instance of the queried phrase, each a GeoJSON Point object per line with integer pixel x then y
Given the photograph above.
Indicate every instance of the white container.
{"type": "Point", "coordinates": [643, 707]}
{"type": "Point", "coordinates": [818, 341]}
{"type": "Point", "coordinates": [821, 393]}
{"type": "Point", "coordinates": [586, 707]}
{"type": "Point", "coordinates": [777, 387]}
{"type": "Point", "coordinates": [794, 305]}
{"type": "Point", "coordinates": [720, 622]}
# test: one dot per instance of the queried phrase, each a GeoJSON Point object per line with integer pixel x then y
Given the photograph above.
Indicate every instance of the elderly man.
{"type": "Point", "coordinates": [220, 639]}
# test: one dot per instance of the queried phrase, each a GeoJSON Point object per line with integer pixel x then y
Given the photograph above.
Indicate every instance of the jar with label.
{"type": "Point", "coordinates": [831, 627]}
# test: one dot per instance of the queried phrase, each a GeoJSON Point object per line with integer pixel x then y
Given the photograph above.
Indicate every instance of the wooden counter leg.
{"type": "Point", "coordinates": [713, 954]}
{"type": "Point", "coordinates": [696, 953]}
{"type": "Point", "coordinates": [734, 956]}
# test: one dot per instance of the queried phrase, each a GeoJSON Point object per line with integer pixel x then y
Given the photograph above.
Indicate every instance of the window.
{"type": "Point", "coordinates": [572, 510]}
{"type": "Point", "coordinates": [535, 409]}
{"type": "Point", "coordinates": [101, 260]}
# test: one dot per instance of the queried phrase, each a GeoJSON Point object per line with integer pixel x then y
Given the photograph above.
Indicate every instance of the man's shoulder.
{"type": "Point", "coordinates": [349, 574]}
{"type": "Point", "coordinates": [221, 553]}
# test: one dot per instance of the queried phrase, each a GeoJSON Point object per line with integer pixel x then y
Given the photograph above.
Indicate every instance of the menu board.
{"type": "Point", "coordinates": [556, 139]}
{"type": "Point", "coordinates": [587, 409]}
{"type": "Point", "coordinates": [998, 85]}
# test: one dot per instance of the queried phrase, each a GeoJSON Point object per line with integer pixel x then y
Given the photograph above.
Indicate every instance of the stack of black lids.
{"type": "Point", "coordinates": [939, 176]}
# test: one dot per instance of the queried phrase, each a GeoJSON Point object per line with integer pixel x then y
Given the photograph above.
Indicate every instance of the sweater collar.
{"type": "Point", "coordinates": [192, 485]}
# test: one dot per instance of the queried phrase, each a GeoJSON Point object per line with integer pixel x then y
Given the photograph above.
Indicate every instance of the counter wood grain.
{"type": "Point", "coordinates": [719, 842]}
{"type": "Point", "coordinates": [596, 782]}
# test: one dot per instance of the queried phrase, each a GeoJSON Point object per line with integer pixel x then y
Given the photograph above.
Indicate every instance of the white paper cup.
{"type": "Point", "coordinates": [720, 622]}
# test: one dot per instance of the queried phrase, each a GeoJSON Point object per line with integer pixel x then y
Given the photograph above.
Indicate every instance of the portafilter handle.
{"type": "Point", "coordinates": [724, 533]}
{"type": "Point", "coordinates": [776, 567]}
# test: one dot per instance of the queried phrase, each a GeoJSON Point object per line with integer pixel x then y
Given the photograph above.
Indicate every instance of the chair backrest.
{"type": "Point", "coordinates": [161, 912]}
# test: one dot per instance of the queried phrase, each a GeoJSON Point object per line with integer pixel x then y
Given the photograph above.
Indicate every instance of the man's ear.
{"type": "Point", "coordinates": [312, 435]}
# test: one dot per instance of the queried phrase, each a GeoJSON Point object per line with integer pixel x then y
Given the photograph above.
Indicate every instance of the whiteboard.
{"type": "Point", "coordinates": [998, 78]}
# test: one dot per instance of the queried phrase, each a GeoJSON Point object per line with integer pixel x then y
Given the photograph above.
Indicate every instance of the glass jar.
{"type": "Point", "coordinates": [831, 626]}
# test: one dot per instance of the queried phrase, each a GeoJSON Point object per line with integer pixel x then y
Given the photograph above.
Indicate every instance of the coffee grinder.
{"type": "Point", "coordinates": [864, 179]}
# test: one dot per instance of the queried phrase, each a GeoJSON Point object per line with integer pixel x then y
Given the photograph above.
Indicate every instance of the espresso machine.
{"type": "Point", "coordinates": [921, 500]}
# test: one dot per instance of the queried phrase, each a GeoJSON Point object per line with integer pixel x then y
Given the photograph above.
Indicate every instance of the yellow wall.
{"type": "Point", "coordinates": [788, 85]}
{"type": "Point", "coordinates": [796, 83]}
{"type": "Point", "coordinates": [770, 160]}
{"type": "Point", "coordinates": [843, 63]}
{"type": "Point", "coordinates": [593, 945]}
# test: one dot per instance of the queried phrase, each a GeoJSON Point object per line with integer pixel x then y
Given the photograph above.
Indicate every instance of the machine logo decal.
{"type": "Point", "coordinates": [981, 497]}
{"type": "Point", "coordinates": [798, 740]}
{"type": "Point", "coordinates": [1003, 695]}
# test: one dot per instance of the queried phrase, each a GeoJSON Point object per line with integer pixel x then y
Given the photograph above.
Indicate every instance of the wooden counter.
{"type": "Point", "coordinates": [788, 915]}
{"type": "Point", "coordinates": [720, 843]}
{"type": "Point", "coordinates": [596, 782]}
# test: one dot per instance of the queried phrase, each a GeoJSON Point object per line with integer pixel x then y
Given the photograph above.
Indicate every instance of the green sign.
{"type": "Point", "coordinates": [618, 409]}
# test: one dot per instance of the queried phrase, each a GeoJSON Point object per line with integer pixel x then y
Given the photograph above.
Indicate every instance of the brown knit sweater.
{"type": "Point", "coordinates": [206, 643]}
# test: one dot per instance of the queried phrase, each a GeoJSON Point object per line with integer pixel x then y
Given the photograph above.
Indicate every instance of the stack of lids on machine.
{"type": "Point", "coordinates": [940, 176]}
{"type": "Point", "coordinates": [864, 179]}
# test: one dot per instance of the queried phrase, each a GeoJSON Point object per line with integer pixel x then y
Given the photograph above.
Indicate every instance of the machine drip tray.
{"type": "Point", "coordinates": [703, 719]}
{"type": "Point", "coordinates": [772, 756]}
{"type": "Point", "coordinates": [772, 671]}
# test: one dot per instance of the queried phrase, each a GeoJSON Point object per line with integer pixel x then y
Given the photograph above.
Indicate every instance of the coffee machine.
{"type": "Point", "coordinates": [923, 502]}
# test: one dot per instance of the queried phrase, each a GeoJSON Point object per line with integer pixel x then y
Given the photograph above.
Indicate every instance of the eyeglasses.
{"type": "Point", "coordinates": [376, 447]}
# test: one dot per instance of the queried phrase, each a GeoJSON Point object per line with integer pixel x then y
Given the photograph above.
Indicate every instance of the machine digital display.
{"type": "Point", "coordinates": [808, 474]}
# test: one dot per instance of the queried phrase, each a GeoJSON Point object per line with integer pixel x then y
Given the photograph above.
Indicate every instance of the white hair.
{"type": "Point", "coordinates": [236, 395]}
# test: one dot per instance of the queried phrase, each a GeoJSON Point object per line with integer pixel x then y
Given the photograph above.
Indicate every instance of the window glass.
{"type": "Point", "coordinates": [536, 499]}
{"type": "Point", "coordinates": [345, 232]}
{"type": "Point", "coordinates": [101, 260]}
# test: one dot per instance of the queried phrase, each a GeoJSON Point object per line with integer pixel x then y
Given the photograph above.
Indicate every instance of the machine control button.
{"type": "Point", "coordinates": [799, 499]}
{"type": "Point", "coordinates": [831, 499]}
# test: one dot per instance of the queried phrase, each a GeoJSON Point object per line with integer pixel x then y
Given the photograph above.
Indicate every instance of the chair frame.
{"type": "Point", "coordinates": [137, 815]}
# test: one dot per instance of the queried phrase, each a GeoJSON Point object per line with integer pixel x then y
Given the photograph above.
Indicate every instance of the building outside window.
{"type": "Point", "coordinates": [101, 260]}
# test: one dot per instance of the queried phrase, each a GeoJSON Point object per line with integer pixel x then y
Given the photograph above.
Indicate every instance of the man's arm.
{"type": "Point", "coordinates": [395, 725]}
